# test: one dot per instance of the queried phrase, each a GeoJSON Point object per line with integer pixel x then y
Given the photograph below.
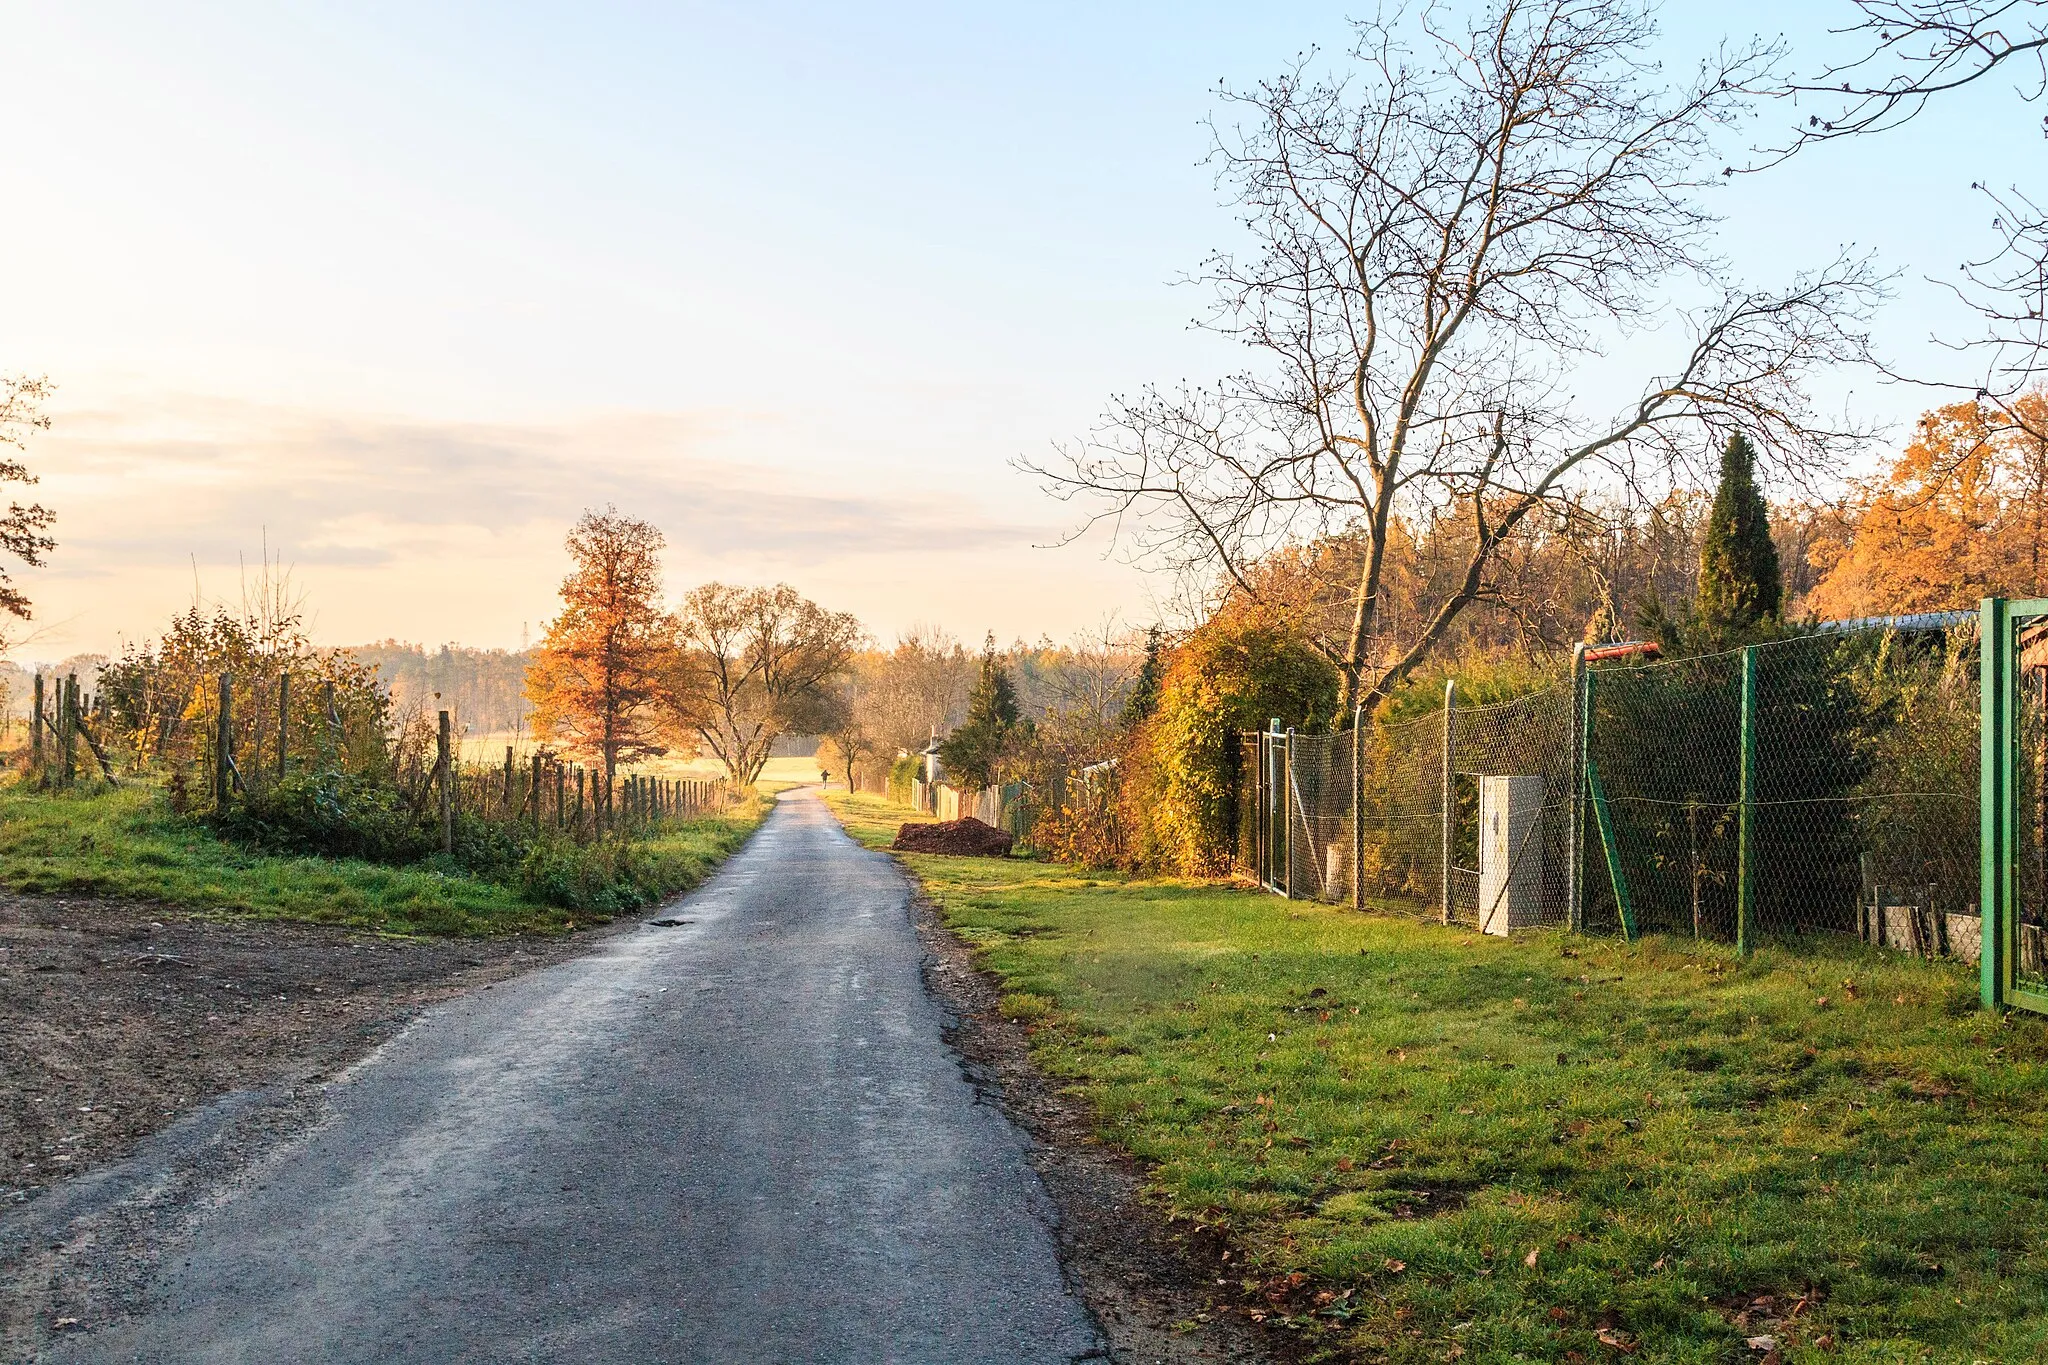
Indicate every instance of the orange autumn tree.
{"type": "Point", "coordinates": [597, 675]}
{"type": "Point", "coordinates": [1962, 514]}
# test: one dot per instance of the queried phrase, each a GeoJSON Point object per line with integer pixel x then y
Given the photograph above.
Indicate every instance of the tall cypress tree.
{"type": "Point", "coordinates": [1741, 586]}
{"type": "Point", "coordinates": [1138, 707]}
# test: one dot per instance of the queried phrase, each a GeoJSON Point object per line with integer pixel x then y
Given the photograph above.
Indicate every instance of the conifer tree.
{"type": "Point", "coordinates": [976, 746]}
{"type": "Point", "coordinates": [1741, 587]}
{"type": "Point", "coordinates": [1145, 689]}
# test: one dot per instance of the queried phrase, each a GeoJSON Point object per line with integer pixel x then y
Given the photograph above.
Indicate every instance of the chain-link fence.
{"type": "Point", "coordinates": [1826, 783]}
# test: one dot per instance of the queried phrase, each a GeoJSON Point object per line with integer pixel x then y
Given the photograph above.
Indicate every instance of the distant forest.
{"type": "Point", "coordinates": [481, 686]}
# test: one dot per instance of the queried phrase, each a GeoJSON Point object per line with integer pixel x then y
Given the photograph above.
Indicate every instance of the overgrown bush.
{"type": "Point", "coordinates": [902, 773]}
{"type": "Point", "coordinates": [1181, 774]}
{"type": "Point", "coordinates": [333, 814]}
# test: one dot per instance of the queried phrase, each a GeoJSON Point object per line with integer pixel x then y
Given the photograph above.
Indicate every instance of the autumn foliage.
{"type": "Point", "coordinates": [1961, 515]}
{"type": "Point", "coordinates": [602, 663]}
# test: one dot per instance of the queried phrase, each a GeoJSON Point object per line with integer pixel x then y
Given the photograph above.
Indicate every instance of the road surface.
{"type": "Point", "coordinates": [736, 1139]}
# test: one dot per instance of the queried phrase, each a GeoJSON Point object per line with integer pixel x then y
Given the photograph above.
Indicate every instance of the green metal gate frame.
{"type": "Point", "coordinates": [1998, 802]}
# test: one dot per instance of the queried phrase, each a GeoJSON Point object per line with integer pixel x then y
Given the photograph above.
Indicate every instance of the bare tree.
{"type": "Point", "coordinates": [1444, 236]}
{"type": "Point", "coordinates": [755, 664]}
{"type": "Point", "coordinates": [22, 528]}
{"type": "Point", "coordinates": [1909, 53]}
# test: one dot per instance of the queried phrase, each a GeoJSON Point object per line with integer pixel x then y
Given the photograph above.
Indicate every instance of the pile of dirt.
{"type": "Point", "coordinates": [968, 838]}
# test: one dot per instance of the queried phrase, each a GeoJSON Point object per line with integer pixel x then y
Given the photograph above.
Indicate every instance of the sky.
{"type": "Point", "coordinates": [394, 292]}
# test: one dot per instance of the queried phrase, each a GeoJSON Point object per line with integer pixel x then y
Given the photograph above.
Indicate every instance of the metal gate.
{"type": "Point", "coordinates": [1272, 795]}
{"type": "Point", "coordinates": [2013, 805]}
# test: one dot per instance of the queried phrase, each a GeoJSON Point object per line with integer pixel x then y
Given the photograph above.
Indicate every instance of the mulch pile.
{"type": "Point", "coordinates": [968, 838]}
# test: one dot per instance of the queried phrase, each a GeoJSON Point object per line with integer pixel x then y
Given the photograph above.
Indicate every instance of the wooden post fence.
{"type": "Point", "coordinates": [445, 770]}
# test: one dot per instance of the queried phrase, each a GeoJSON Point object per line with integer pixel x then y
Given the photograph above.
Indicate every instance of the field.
{"type": "Point", "coordinates": [781, 773]}
{"type": "Point", "coordinates": [1425, 1145]}
{"type": "Point", "coordinates": [127, 844]}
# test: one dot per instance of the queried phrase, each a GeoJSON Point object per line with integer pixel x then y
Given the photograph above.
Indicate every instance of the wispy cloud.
{"type": "Point", "coordinates": [453, 530]}
{"type": "Point", "coordinates": [205, 477]}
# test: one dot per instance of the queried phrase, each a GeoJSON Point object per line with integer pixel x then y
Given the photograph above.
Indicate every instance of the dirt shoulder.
{"type": "Point", "coordinates": [122, 1018]}
{"type": "Point", "coordinates": [1151, 1283]}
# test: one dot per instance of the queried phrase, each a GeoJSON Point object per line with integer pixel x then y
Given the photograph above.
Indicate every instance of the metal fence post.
{"type": "Point", "coordinates": [1994, 800]}
{"type": "Point", "coordinates": [1358, 807]}
{"type": "Point", "coordinates": [1449, 803]}
{"type": "Point", "coordinates": [1745, 830]}
{"type": "Point", "coordinates": [1575, 804]}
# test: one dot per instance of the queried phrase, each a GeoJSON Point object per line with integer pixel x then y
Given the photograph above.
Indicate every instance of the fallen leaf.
{"type": "Point", "coordinates": [1619, 1340]}
{"type": "Point", "coordinates": [1762, 1343]}
{"type": "Point", "coordinates": [1821, 1002]}
{"type": "Point", "coordinates": [1395, 1267]}
{"type": "Point", "coordinates": [1530, 1259]}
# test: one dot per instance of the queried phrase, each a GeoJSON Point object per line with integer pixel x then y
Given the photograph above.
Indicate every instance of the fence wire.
{"type": "Point", "coordinates": [1625, 806]}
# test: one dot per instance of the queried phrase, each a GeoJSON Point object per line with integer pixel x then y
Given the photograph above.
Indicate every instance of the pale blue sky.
{"type": "Point", "coordinates": [410, 285]}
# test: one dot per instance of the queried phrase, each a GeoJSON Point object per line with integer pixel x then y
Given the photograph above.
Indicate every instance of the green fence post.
{"type": "Point", "coordinates": [1358, 807]}
{"type": "Point", "coordinates": [1994, 816]}
{"type": "Point", "coordinates": [1603, 818]}
{"type": "Point", "coordinates": [1745, 861]}
{"type": "Point", "coordinates": [1575, 808]}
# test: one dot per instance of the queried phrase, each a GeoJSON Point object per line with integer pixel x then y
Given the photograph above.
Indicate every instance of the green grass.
{"type": "Point", "coordinates": [127, 843]}
{"type": "Point", "coordinates": [1481, 1150]}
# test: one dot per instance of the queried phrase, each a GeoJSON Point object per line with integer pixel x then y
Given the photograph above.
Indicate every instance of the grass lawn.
{"type": "Point", "coordinates": [125, 843]}
{"type": "Point", "coordinates": [1428, 1145]}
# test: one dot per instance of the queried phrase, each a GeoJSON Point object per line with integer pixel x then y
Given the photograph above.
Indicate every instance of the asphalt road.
{"type": "Point", "coordinates": [738, 1139]}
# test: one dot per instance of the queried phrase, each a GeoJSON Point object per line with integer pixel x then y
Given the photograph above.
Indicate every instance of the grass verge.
{"type": "Point", "coordinates": [127, 843]}
{"type": "Point", "coordinates": [1425, 1145]}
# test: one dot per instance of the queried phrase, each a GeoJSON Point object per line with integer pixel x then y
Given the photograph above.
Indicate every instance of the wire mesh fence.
{"type": "Point", "coordinates": [1822, 784]}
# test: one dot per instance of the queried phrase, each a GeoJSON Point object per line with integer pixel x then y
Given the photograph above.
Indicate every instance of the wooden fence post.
{"type": "Point", "coordinates": [68, 722]}
{"type": "Point", "coordinates": [35, 729]}
{"type": "Point", "coordinates": [561, 781]}
{"type": "Point", "coordinates": [535, 813]}
{"type": "Point", "coordinates": [284, 721]}
{"type": "Point", "coordinates": [446, 770]}
{"type": "Point", "coordinates": [224, 743]}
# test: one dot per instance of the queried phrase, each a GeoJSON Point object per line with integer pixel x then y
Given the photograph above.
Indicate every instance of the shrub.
{"type": "Point", "coordinates": [902, 773]}
{"type": "Point", "coordinates": [1242, 667]}
{"type": "Point", "coordinates": [332, 814]}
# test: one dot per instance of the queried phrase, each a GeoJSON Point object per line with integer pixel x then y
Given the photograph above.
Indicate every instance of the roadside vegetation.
{"type": "Point", "coordinates": [131, 843]}
{"type": "Point", "coordinates": [1424, 1146]}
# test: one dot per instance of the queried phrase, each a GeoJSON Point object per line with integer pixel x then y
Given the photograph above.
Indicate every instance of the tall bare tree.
{"type": "Point", "coordinates": [1445, 235]}
{"type": "Point", "coordinates": [1905, 55]}
{"type": "Point", "coordinates": [601, 665]}
{"type": "Point", "coordinates": [755, 664]}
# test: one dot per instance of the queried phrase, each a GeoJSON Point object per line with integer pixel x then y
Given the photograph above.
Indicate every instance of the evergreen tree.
{"type": "Point", "coordinates": [976, 746]}
{"type": "Point", "coordinates": [1741, 587]}
{"type": "Point", "coordinates": [1145, 690]}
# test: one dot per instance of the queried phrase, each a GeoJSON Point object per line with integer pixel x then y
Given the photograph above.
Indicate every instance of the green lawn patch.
{"type": "Point", "coordinates": [129, 843]}
{"type": "Point", "coordinates": [1428, 1145]}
